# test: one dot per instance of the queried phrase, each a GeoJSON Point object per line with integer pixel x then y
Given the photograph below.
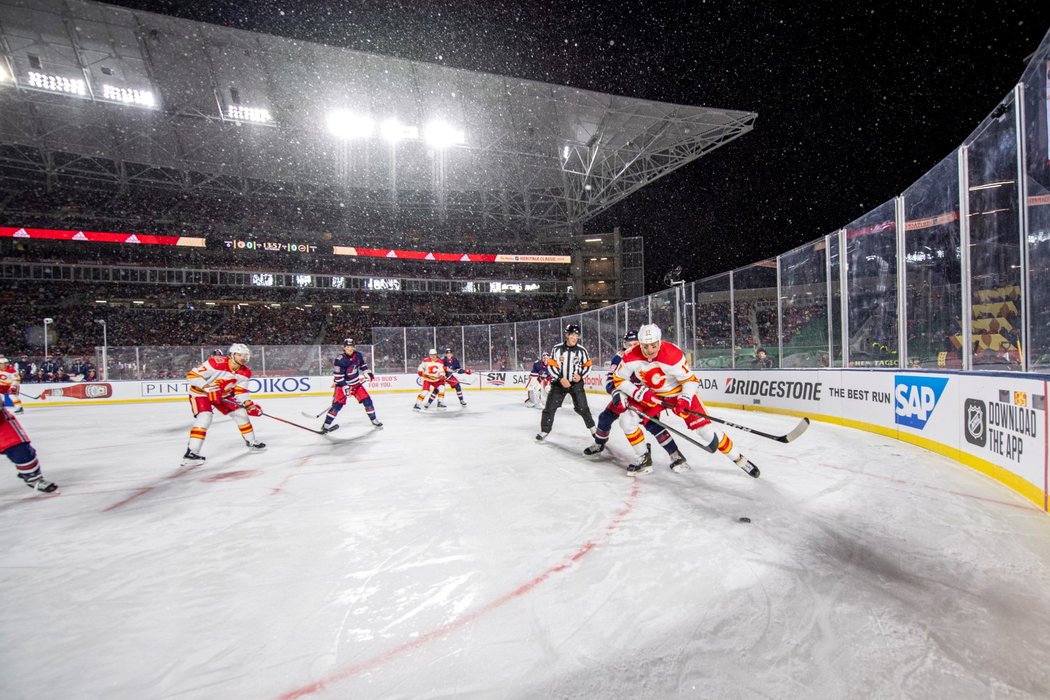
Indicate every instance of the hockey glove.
{"type": "Point", "coordinates": [684, 406]}
{"type": "Point", "coordinates": [371, 377]}
{"type": "Point", "coordinates": [643, 394]}
{"type": "Point", "coordinates": [254, 410]}
{"type": "Point", "coordinates": [469, 371]}
{"type": "Point", "coordinates": [619, 401]}
{"type": "Point", "coordinates": [13, 391]}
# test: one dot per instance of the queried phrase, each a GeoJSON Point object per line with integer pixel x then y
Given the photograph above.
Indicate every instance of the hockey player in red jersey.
{"type": "Point", "coordinates": [215, 386]}
{"type": "Point", "coordinates": [14, 442]}
{"type": "Point", "coordinates": [432, 371]}
{"type": "Point", "coordinates": [9, 369]}
{"type": "Point", "coordinates": [666, 382]}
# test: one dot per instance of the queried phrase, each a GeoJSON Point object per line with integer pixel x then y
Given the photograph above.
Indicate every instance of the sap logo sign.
{"type": "Point", "coordinates": [915, 399]}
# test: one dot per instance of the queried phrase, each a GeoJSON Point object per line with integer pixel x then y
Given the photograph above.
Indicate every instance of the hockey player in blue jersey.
{"type": "Point", "coordinates": [349, 372]}
{"type": "Point", "coordinates": [539, 380]}
{"type": "Point", "coordinates": [615, 408]}
{"type": "Point", "coordinates": [452, 368]}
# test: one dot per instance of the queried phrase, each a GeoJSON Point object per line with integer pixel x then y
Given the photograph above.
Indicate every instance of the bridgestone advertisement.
{"type": "Point", "coordinates": [996, 424]}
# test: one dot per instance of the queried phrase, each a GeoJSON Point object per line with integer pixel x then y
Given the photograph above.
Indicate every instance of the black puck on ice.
{"type": "Point", "coordinates": [744, 519]}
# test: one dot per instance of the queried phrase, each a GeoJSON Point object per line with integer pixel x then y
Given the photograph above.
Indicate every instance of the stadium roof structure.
{"type": "Point", "coordinates": [114, 97]}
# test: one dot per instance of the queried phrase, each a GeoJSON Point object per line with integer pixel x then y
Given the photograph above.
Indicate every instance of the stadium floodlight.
{"type": "Point", "coordinates": [349, 125]}
{"type": "Point", "coordinates": [4, 77]}
{"type": "Point", "coordinates": [56, 83]}
{"type": "Point", "coordinates": [249, 114]}
{"type": "Point", "coordinates": [143, 98]}
{"type": "Point", "coordinates": [441, 134]}
{"type": "Point", "coordinates": [393, 131]}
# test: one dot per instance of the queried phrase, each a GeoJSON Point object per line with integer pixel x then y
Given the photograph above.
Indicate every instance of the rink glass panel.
{"type": "Point", "coordinates": [419, 341]}
{"type": "Point", "coordinates": [527, 334]}
{"type": "Point", "coordinates": [712, 311]}
{"type": "Point", "coordinates": [450, 337]}
{"type": "Point", "coordinates": [612, 331]}
{"type": "Point", "coordinates": [1037, 170]}
{"type": "Point", "coordinates": [388, 344]}
{"type": "Point", "coordinates": [503, 353]}
{"type": "Point", "coordinates": [834, 240]}
{"type": "Point", "coordinates": [871, 286]}
{"type": "Point", "coordinates": [755, 311]}
{"type": "Point", "coordinates": [933, 268]}
{"type": "Point", "coordinates": [804, 306]}
{"type": "Point", "coordinates": [476, 350]}
{"type": "Point", "coordinates": [637, 312]}
{"type": "Point", "coordinates": [663, 311]}
{"type": "Point", "coordinates": [590, 324]}
{"type": "Point", "coordinates": [551, 333]}
{"type": "Point", "coordinates": [994, 243]}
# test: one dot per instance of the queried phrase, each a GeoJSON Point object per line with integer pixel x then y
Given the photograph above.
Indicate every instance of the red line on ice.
{"type": "Point", "coordinates": [182, 471]}
{"type": "Point", "coordinates": [380, 659]}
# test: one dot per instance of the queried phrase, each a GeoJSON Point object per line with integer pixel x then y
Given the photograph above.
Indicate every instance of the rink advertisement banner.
{"type": "Point", "coordinates": [996, 424]}
{"type": "Point", "coordinates": [177, 389]}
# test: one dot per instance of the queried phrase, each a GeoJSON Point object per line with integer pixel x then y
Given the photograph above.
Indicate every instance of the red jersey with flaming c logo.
{"type": "Point", "coordinates": [215, 373]}
{"type": "Point", "coordinates": [431, 369]}
{"type": "Point", "coordinates": [667, 374]}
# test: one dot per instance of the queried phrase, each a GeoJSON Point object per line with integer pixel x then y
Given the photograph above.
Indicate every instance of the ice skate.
{"type": "Point", "coordinates": [541, 435]}
{"type": "Point", "coordinates": [749, 468]}
{"type": "Point", "coordinates": [441, 404]}
{"type": "Point", "coordinates": [462, 402]}
{"type": "Point", "coordinates": [41, 484]}
{"type": "Point", "coordinates": [678, 463]}
{"type": "Point", "coordinates": [644, 465]}
{"type": "Point", "coordinates": [256, 446]}
{"type": "Point", "coordinates": [594, 449]}
{"type": "Point", "coordinates": [325, 429]}
{"type": "Point", "coordinates": [191, 459]}
{"type": "Point", "coordinates": [377, 423]}
{"type": "Point", "coordinates": [417, 407]}
{"type": "Point", "coordinates": [21, 410]}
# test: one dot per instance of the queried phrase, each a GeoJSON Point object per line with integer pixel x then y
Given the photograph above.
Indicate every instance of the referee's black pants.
{"type": "Point", "coordinates": [557, 396]}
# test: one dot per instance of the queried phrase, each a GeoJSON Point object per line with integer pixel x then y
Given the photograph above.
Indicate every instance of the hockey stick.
{"type": "Point", "coordinates": [750, 469]}
{"type": "Point", "coordinates": [310, 415]}
{"type": "Point", "coordinates": [301, 427]}
{"type": "Point", "coordinates": [26, 393]}
{"type": "Point", "coordinates": [679, 433]}
{"type": "Point", "coordinates": [790, 436]}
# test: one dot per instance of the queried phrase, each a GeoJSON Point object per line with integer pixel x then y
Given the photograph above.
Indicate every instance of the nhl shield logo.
{"type": "Point", "coordinates": [976, 414]}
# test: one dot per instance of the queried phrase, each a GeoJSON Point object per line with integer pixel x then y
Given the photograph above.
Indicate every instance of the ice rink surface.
{"type": "Point", "coordinates": [451, 556]}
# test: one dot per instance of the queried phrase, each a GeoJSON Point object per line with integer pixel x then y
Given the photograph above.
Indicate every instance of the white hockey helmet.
{"type": "Point", "coordinates": [432, 351]}
{"type": "Point", "coordinates": [239, 349]}
{"type": "Point", "coordinates": [649, 333]}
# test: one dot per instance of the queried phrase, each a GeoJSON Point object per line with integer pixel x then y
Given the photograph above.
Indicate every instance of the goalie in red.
{"type": "Point", "coordinates": [216, 385]}
{"type": "Point", "coordinates": [14, 442]}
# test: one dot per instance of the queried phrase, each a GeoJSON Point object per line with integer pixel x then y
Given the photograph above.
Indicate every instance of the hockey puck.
{"type": "Point", "coordinates": [744, 519]}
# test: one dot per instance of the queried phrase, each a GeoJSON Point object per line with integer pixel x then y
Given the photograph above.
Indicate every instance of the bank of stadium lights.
{"type": "Point", "coordinates": [259, 115]}
{"type": "Point", "coordinates": [130, 96]}
{"type": "Point", "coordinates": [348, 125]}
{"type": "Point", "coordinates": [56, 83]}
{"type": "Point", "coordinates": [440, 134]}
{"type": "Point", "coordinates": [393, 130]}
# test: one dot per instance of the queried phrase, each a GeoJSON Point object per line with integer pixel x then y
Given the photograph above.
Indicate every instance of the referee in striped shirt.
{"type": "Point", "coordinates": [568, 365]}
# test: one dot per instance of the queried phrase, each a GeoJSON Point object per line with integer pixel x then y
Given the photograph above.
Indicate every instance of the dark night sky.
{"type": "Point", "coordinates": [855, 100]}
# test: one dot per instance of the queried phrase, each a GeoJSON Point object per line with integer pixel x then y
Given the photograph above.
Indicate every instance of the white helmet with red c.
{"type": "Point", "coordinates": [649, 333]}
